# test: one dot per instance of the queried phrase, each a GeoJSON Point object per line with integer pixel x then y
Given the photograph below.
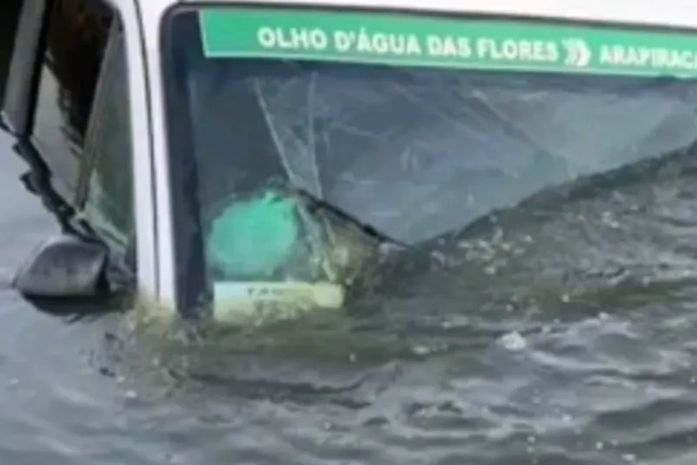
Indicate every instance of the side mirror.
{"type": "Point", "coordinates": [65, 266]}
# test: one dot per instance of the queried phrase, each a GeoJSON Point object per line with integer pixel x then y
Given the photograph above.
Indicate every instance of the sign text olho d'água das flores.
{"type": "Point", "coordinates": [406, 40]}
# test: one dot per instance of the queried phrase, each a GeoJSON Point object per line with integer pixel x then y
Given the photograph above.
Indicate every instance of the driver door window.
{"type": "Point", "coordinates": [105, 190]}
{"type": "Point", "coordinates": [75, 43]}
{"type": "Point", "coordinates": [9, 17]}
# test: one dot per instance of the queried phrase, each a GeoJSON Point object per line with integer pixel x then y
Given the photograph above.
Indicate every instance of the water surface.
{"type": "Point", "coordinates": [560, 332]}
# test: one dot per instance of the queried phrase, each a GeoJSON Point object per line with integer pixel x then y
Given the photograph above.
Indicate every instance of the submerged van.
{"type": "Point", "coordinates": [226, 159]}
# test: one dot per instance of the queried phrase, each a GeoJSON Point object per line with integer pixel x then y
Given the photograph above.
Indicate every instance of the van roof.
{"type": "Point", "coordinates": [675, 13]}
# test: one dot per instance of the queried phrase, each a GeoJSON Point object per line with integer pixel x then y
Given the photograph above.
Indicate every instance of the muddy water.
{"type": "Point", "coordinates": [560, 332]}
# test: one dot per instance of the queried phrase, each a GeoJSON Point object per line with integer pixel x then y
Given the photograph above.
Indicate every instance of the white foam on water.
{"type": "Point", "coordinates": [513, 341]}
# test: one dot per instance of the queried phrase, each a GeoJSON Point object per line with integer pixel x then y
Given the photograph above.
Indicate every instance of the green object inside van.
{"type": "Point", "coordinates": [254, 238]}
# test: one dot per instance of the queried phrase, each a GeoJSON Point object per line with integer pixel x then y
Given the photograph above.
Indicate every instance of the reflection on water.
{"type": "Point", "coordinates": [560, 332]}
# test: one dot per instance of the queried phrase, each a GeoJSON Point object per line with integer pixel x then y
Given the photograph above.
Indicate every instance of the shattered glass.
{"type": "Point", "coordinates": [418, 154]}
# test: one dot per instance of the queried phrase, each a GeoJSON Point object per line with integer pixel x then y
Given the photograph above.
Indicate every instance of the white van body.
{"type": "Point", "coordinates": [142, 22]}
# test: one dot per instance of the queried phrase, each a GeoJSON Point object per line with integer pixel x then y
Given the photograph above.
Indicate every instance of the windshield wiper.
{"type": "Point", "coordinates": [367, 229]}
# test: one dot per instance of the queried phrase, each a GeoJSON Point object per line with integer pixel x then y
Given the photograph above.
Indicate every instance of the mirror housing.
{"type": "Point", "coordinates": [64, 266]}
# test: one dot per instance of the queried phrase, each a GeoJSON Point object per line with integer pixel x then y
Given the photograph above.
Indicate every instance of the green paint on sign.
{"type": "Point", "coordinates": [408, 40]}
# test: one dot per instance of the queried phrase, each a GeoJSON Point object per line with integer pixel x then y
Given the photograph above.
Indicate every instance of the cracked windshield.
{"type": "Point", "coordinates": [326, 160]}
{"type": "Point", "coordinates": [395, 238]}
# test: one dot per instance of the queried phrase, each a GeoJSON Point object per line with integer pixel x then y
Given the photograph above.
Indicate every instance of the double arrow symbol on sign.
{"type": "Point", "coordinates": [578, 54]}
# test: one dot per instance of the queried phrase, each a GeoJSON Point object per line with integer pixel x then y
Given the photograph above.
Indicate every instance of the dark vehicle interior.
{"type": "Point", "coordinates": [9, 13]}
